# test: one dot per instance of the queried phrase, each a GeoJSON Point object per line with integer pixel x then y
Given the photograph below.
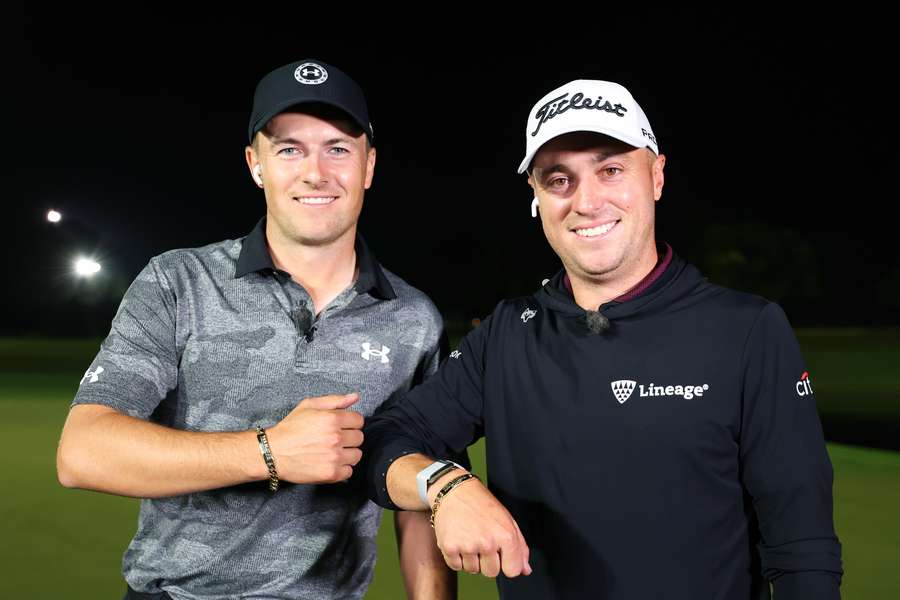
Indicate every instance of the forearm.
{"type": "Point", "coordinates": [401, 481]}
{"type": "Point", "coordinates": [425, 574]}
{"type": "Point", "coordinates": [103, 450]}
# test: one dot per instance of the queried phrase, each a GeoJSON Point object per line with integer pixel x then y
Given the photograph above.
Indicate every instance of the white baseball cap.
{"type": "Point", "coordinates": [587, 105]}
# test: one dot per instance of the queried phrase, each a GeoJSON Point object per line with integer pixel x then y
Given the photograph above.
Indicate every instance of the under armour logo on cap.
{"type": "Point", "coordinates": [310, 73]}
{"type": "Point", "coordinates": [319, 83]}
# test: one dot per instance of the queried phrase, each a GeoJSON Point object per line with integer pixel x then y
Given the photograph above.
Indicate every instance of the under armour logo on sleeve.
{"type": "Point", "coordinates": [92, 376]}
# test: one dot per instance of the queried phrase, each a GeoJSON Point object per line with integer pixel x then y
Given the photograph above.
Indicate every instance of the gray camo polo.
{"type": "Point", "coordinates": [207, 339]}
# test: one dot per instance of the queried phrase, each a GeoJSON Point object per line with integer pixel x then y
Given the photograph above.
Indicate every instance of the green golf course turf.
{"type": "Point", "coordinates": [65, 543]}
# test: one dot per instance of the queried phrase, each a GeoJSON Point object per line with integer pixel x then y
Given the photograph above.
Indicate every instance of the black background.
{"type": "Point", "coordinates": [778, 129]}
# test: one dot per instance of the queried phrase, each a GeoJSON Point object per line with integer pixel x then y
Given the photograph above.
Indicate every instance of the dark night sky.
{"type": "Point", "coordinates": [134, 124]}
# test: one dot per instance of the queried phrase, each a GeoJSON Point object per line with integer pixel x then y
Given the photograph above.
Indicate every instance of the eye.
{"type": "Point", "coordinates": [612, 171]}
{"type": "Point", "coordinates": [339, 150]}
{"type": "Point", "coordinates": [557, 183]}
{"type": "Point", "coordinates": [288, 151]}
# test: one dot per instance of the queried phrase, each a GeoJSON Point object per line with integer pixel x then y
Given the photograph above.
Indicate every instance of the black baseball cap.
{"type": "Point", "coordinates": [306, 82]}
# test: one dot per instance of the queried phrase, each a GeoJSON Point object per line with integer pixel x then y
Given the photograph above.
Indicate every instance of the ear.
{"type": "Point", "coordinates": [253, 165]}
{"type": "Point", "coordinates": [659, 178]}
{"type": "Point", "coordinates": [535, 203]}
{"type": "Point", "coordinates": [370, 167]}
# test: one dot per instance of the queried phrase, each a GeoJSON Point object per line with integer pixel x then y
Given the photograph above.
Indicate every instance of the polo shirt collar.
{"type": "Point", "coordinates": [255, 257]}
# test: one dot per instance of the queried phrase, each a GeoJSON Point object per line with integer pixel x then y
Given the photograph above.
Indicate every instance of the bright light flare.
{"type": "Point", "coordinates": [86, 267]}
{"type": "Point", "coordinates": [54, 216]}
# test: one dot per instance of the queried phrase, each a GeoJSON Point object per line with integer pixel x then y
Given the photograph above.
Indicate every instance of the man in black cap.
{"type": "Point", "coordinates": [231, 390]}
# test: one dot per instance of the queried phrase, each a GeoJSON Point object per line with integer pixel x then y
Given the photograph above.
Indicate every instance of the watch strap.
{"type": "Point", "coordinates": [432, 473]}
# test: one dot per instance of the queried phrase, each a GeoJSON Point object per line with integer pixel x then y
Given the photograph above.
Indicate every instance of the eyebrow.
{"type": "Point", "coordinates": [288, 140]}
{"type": "Point", "coordinates": [295, 142]}
{"type": "Point", "coordinates": [598, 158]}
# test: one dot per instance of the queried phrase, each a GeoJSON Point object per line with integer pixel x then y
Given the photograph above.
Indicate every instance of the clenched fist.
{"type": "Point", "coordinates": [318, 441]}
{"type": "Point", "coordinates": [476, 533]}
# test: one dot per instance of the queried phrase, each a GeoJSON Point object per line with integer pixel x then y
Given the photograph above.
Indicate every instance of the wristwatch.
{"type": "Point", "coordinates": [432, 473]}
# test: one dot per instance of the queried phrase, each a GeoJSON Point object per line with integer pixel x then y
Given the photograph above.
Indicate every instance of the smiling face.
{"type": "Point", "coordinates": [314, 169]}
{"type": "Point", "coordinates": [597, 203]}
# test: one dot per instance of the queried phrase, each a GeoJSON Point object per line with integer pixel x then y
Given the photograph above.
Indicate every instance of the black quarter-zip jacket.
{"type": "Point", "coordinates": [676, 455]}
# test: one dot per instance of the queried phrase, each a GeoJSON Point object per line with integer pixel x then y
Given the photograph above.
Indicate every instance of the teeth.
{"type": "Point", "coordinates": [317, 200]}
{"type": "Point", "coordinates": [595, 231]}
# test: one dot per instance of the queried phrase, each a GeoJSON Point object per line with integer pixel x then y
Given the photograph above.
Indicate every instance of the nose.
{"type": "Point", "coordinates": [311, 170]}
{"type": "Point", "coordinates": [589, 198]}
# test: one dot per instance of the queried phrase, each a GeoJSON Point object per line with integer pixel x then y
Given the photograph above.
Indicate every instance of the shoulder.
{"type": "Point", "coordinates": [743, 314]}
{"type": "Point", "coordinates": [521, 307]}
{"type": "Point", "coordinates": [412, 302]}
{"type": "Point", "coordinates": [733, 300]}
{"type": "Point", "coordinates": [184, 267]}
{"type": "Point", "coordinates": [218, 255]}
{"type": "Point", "coordinates": [725, 305]}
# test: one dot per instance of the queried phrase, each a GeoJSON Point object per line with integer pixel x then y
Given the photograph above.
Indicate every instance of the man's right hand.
{"type": "Point", "coordinates": [476, 533]}
{"type": "Point", "coordinates": [318, 441]}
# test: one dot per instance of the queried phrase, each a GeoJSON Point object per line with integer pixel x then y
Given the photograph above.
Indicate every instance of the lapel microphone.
{"type": "Point", "coordinates": [596, 322]}
{"type": "Point", "coordinates": [304, 322]}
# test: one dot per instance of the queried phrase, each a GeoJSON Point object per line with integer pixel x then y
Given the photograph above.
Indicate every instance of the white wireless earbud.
{"type": "Point", "coordinates": [534, 207]}
{"type": "Point", "coordinates": [257, 174]}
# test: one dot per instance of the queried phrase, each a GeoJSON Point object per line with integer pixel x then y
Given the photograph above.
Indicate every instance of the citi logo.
{"type": "Point", "coordinates": [368, 353]}
{"type": "Point", "coordinates": [623, 388]}
{"type": "Point", "coordinates": [804, 386]}
{"type": "Point", "coordinates": [92, 376]}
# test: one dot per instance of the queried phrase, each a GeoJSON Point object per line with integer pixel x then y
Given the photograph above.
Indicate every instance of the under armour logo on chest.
{"type": "Point", "coordinates": [368, 352]}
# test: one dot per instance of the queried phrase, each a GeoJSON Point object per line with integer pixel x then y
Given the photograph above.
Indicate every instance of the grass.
{"type": "Point", "coordinates": [62, 542]}
{"type": "Point", "coordinates": [854, 371]}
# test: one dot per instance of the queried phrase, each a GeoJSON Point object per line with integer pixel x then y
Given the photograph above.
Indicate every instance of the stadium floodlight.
{"type": "Point", "coordinates": [86, 267]}
{"type": "Point", "coordinates": [54, 216]}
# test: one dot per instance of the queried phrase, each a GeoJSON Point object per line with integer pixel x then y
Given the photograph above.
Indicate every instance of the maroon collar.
{"type": "Point", "coordinates": [662, 262]}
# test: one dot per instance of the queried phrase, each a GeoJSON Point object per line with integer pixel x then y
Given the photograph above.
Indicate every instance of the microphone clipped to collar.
{"type": "Point", "coordinates": [596, 322]}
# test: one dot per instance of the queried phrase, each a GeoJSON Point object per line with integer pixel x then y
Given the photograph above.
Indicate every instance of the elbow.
{"type": "Point", "coordinates": [78, 460]}
{"type": "Point", "coordinates": [76, 470]}
{"type": "Point", "coordinates": [67, 471]}
{"type": "Point", "coordinates": [74, 463]}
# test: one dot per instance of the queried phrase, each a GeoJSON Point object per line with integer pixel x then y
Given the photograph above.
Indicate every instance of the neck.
{"type": "Point", "coordinates": [591, 293]}
{"type": "Point", "coordinates": [324, 271]}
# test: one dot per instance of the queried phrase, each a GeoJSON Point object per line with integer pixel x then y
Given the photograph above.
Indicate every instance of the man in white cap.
{"type": "Point", "coordinates": [649, 434]}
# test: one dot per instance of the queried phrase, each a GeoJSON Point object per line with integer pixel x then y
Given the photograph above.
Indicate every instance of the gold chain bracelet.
{"type": "Point", "coordinates": [452, 484]}
{"type": "Point", "coordinates": [268, 458]}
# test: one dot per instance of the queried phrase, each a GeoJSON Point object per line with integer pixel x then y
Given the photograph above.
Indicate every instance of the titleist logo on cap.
{"type": "Point", "coordinates": [561, 104]}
